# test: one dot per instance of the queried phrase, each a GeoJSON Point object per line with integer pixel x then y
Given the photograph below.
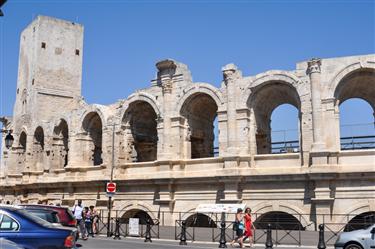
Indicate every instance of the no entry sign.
{"type": "Point", "coordinates": [111, 187]}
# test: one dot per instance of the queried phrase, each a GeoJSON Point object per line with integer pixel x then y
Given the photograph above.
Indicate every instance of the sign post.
{"type": "Point", "coordinates": [111, 190]}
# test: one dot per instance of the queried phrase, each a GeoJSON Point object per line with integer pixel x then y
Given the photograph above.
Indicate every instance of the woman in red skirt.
{"type": "Point", "coordinates": [248, 227]}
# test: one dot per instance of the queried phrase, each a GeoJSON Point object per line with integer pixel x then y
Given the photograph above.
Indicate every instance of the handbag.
{"type": "Point", "coordinates": [235, 226]}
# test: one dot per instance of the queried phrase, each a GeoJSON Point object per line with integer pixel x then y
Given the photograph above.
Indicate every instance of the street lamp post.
{"type": "Point", "coordinates": [111, 179]}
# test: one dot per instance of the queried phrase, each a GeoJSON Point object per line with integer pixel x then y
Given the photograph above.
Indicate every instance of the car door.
{"type": "Point", "coordinates": [9, 227]}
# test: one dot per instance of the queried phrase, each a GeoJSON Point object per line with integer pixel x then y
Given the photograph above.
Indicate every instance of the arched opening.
{"type": "Point", "coordinates": [360, 221]}
{"type": "Point", "coordinates": [60, 145]}
{"type": "Point", "coordinates": [355, 101]}
{"type": "Point", "coordinates": [38, 148]}
{"type": "Point", "coordinates": [21, 151]}
{"type": "Point", "coordinates": [92, 125]}
{"type": "Point", "coordinates": [199, 220]}
{"type": "Point", "coordinates": [264, 100]}
{"type": "Point", "coordinates": [278, 220]}
{"type": "Point", "coordinates": [284, 129]}
{"type": "Point", "coordinates": [137, 213]}
{"type": "Point", "coordinates": [199, 111]}
{"type": "Point", "coordinates": [141, 136]}
{"type": "Point", "coordinates": [357, 127]}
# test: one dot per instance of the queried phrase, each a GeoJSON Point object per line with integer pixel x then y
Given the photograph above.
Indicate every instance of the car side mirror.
{"type": "Point", "coordinates": [372, 230]}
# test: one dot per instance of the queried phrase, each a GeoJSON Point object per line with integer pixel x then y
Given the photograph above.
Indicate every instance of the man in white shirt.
{"type": "Point", "coordinates": [78, 212]}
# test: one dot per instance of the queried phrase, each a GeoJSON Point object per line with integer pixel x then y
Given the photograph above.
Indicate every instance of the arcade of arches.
{"type": "Point", "coordinates": [158, 143]}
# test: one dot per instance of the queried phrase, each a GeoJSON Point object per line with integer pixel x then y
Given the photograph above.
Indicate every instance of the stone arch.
{"type": "Point", "coordinates": [206, 88]}
{"type": "Point", "coordinates": [92, 138]}
{"type": "Point", "coordinates": [266, 207]}
{"type": "Point", "coordinates": [38, 148]}
{"type": "Point", "coordinates": [269, 77]}
{"type": "Point", "coordinates": [200, 220]}
{"type": "Point", "coordinates": [140, 135]}
{"type": "Point", "coordinates": [60, 144]}
{"type": "Point", "coordinates": [344, 72]}
{"type": "Point", "coordinates": [130, 205]}
{"type": "Point", "coordinates": [354, 210]}
{"type": "Point", "coordinates": [21, 149]}
{"type": "Point", "coordinates": [354, 81]}
{"type": "Point", "coordinates": [140, 96]}
{"type": "Point", "coordinates": [93, 108]}
{"type": "Point", "coordinates": [199, 111]}
{"type": "Point", "coordinates": [267, 94]}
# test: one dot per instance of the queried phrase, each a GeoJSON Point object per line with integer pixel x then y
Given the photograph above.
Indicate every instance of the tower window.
{"type": "Point", "coordinates": [43, 45]}
{"type": "Point", "coordinates": [32, 82]}
{"type": "Point", "coordinates": [77, 51]}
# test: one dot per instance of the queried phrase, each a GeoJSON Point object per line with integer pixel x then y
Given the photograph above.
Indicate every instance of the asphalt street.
{"type": "Point", "coordinates": [138, 243]}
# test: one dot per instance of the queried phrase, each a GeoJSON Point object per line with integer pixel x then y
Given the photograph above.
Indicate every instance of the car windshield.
{"type": "Point", "coordinates": [35, 218]}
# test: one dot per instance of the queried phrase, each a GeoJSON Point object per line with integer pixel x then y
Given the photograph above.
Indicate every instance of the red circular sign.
{"type": "Point", "coordinates": [111, 187]}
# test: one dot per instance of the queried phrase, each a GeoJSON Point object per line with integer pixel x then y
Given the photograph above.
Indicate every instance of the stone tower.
{"type": "Point", "coordinates": [50, 68]}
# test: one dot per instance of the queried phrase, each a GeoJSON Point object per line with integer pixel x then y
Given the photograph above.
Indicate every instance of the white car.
{"type": "Point", "coordinates": [358, 239]}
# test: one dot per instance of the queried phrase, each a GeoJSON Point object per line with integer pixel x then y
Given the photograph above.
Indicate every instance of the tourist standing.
{"type": "Point", "coordinates": [78, 214]}
{"type": "Point", "coordinates": [94, 218]}
{"type": "Point", "coordinates": [88, 221]}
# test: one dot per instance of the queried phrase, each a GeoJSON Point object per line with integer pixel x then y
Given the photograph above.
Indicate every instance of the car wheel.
{"type": "Point", "coordinates": [353, 246]}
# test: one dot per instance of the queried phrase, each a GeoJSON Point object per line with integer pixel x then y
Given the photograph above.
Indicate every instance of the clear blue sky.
{"type": "Point", "coordinates": [124, 39]}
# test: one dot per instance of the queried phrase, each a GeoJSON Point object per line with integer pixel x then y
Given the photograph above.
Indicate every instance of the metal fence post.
{"type": "Point", "coordinates": [269, 243]}
{"type": "Point", "coordinates": [183, 234]}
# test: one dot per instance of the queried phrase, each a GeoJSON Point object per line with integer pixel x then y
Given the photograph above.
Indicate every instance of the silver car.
{"type": "Point", "coordinates": [358, 239]}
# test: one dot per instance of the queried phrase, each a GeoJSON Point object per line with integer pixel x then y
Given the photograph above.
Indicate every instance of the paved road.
{"type": "Point", "coordinates": [136, 243]}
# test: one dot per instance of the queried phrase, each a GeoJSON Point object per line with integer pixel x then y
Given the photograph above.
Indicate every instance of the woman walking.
{"type": "Point", "coordinates": [249, 226]}
{"type": "Point", "coordinates": [239, 227]}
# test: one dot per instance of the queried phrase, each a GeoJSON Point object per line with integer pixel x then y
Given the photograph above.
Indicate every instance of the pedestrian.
{"type": "Point", "coordinates": [238, 226]}
{"type": "Point", "coordinates": [94, 218]}
{"type": "Point", "coordinates": [249, 227]}
{"type": "Point", "coordinates": [88, 221]}
{"type": "Point", "coordinates": [78, 214]}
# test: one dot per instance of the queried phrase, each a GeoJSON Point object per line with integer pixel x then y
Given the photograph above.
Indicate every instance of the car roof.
{"type": "Point", "coordinates": [42, 206]}
{"type": "Point", "coordinates": [9, 207]}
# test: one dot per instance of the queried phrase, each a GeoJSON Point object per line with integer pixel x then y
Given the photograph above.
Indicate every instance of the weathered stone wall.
{"type": "Point", "coordinates": [158, 142]}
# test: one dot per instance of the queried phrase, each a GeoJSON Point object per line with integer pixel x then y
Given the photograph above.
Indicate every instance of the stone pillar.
{"type": "Point", "coordinates": [167, 109]}
{"type": "Point", "coordinates": [322, 201]}
{"type": "Point", "coordinates": [231, 74]}
{"type": "Point", "coordinates": [313, 70]}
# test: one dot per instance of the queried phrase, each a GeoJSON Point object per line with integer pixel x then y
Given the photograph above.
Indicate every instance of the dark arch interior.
{"type": "Point", "coordinates": [200, 111]}
{"type": "Point", "coordinates": [22, 141]}
{"type": "Point", "coordinates": [39, 137]}
{"type": "Point", "coordinates": [278, 220]}
{"type": "Point", "coordinates": [199, 220]}
{"type": "Point", "coordinates": [137, 213]}
{"type": "Point", "coordinates": [263, 101]}
{"type": "Point", "coordinates": [61, 141]}
{"type": "Point", "coordinates": [142, 118]}
{"type": "Point", "coordinates": [92, 124]}
{"type": "Point", "coordinates": [360, 221]}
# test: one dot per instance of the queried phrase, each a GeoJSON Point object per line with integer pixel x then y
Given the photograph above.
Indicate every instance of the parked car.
{"type": "Point", "coordinates": [31, 232]}
{"type": "Point", "coordinates": [357, 239]}
{"type": "Point", "coordinates": [65, 215]}
{"type": "Point", "coordinates": [7, 244]}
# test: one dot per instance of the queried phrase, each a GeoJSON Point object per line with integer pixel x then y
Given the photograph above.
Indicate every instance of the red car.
{"type": "Point", "coordinates": [64, 214]}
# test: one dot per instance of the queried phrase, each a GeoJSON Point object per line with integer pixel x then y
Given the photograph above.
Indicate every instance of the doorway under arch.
{"type": "Point", "coordinates": [278, 220]}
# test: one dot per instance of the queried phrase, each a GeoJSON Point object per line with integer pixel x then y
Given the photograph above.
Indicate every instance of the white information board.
{"type": "Point", "coordinates": [219, 208]}
{"type": "Point", "coordinates": [134, 227]}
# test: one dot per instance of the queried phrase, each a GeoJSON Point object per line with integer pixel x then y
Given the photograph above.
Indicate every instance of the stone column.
{"type": "Point", "coordinates": [167, 106]}
{"type": "Point", "coordinates": [313, 70]}
{"type": "Point", "coordinates": [231, 74]}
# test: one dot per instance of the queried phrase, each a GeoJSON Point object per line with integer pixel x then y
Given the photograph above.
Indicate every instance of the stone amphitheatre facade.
{"type": "Point", "coordinates": [159, 140]}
